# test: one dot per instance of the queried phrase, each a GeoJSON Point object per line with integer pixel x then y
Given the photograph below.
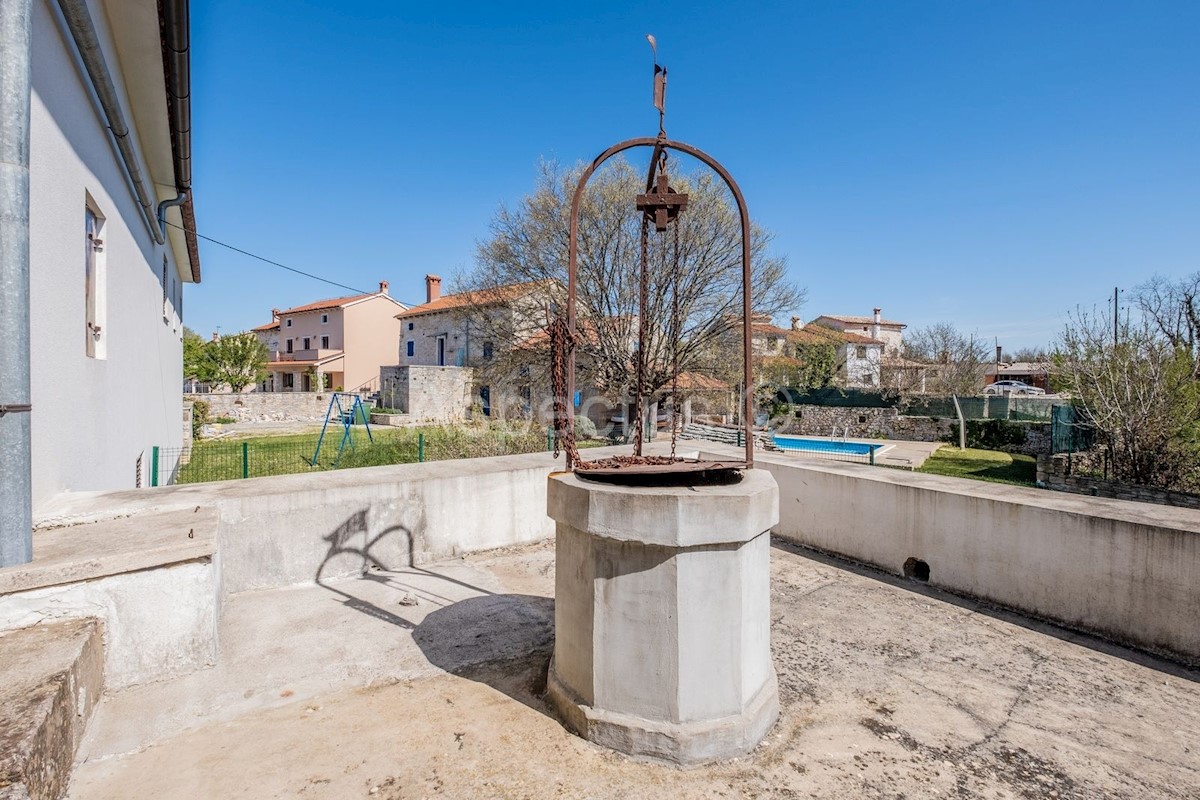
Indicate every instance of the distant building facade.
{"type": "Point", "coordinates": [336, 344]}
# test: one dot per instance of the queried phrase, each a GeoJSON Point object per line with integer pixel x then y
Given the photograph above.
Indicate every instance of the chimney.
{"type": "Point", "coordinates": [433, 288]}
{"type": "Point", "coordinates": [274, 314]}
{"type": "Point", "coordinates": [796, 323]}
{"type": "Point", "coordinates": [875, 324]}
{"type": "Point", "coordinates": [383, 287]}
{"type": "Point", "coordinates": [216, 336]}
{"type": "Point", "coordinates": [999, 354]}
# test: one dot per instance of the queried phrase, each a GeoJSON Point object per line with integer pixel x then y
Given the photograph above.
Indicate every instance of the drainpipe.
{"type": "Point", "coordinates": [16, 494]}
{"type": "Point", "coordinates": [83, 31]}
{"type": "Point", "coordinates": [178, 200]}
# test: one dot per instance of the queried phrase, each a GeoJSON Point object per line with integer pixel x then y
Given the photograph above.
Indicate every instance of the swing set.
{"type": "Point", "coordinates": [344, 408]}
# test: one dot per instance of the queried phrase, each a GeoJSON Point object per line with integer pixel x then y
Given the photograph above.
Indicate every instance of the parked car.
{"type": "Point", "coordinates": [1012, 387]}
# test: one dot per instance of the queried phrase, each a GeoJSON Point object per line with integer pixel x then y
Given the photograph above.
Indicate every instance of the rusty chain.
{"type": "Point", "coordinates": [562, 344]}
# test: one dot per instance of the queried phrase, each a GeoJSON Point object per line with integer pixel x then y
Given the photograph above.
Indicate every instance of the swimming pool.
{"type": "Point", "coordinates": [799, 443]}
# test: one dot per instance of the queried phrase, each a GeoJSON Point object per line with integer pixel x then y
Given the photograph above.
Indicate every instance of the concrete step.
{"type": "Point", "coordinates": [51, 676]}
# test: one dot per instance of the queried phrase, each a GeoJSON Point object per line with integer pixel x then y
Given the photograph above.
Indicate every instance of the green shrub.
{"type": "Point", "coordinates": [584, 428]}
{"type": "Point", "coordinates": [200, 416]}
{"type": "Point", "coordinates": [990, 434]}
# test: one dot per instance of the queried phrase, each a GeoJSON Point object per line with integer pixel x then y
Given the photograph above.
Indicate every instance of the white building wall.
{"type": "Point", "coordinates": [92, 418]}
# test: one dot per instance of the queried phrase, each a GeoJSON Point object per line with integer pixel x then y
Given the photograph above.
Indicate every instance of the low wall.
{"type": "Point", "coordinates": [1123, 570]}
{"type": "Point", "coordinates": [294, 529]}
{"type": "Point", "coordinates": [427, 394]}
{"type": "Point", "coordinates": [1058, 473]}
{"type": "Point", "coordinates": [266, 406]}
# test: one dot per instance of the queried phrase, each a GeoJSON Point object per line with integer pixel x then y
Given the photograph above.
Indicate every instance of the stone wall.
{"type": "Point", "coordinates": [889, 423]}
{"type": "Point", "coordinates": [1061, 473]}
{"type": "Point", "coordinates": [428, 394]}
{"type": "Point", "coordinates": [267, 406]}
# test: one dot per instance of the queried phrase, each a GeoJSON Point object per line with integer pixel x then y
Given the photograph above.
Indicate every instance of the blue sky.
{"type": "Point", "coordinates": [991, 164]}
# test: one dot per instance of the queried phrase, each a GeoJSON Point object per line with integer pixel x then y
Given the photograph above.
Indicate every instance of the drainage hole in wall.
{"type": "Point", "coordinates": [917, 569]}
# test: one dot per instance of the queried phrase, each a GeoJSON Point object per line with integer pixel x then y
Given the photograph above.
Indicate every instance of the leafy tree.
{"type": "Point", "coordinates": [1032, 355]}
{"type": "Point", "coordinates": [1141, 393]}
{"type": "Point", "coordinates": [528, 244]}
{"type": "Point", "coordinates": [957, 360]}
{"type": "Point", "coordinates": [235, 361]}
{"type": "Point", "coordinates": [195, 361]}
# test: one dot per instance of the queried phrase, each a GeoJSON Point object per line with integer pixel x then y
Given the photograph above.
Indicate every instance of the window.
{"type": "Point", "coordinates": [488, 349]}
{"type": "Point", "coordinates": [411, 348]}
{"type": "Point", "coordinates": [324, 342]}
{"type": "Point", "coordinates": [94, 288]}
{"type": "Point", "coordinates": [307, 343]}
{"type": "Point", "coordinates": [324, 318]}
{"type": "Point", "coordinates": [441, 351]}
{"type": "Point", "coordinates": [289, 345]}
{"type": "Point", "coordinates": [410, 326]}
{"type": "Point", "coordinates": [861, 351]}
{"type": "Point", "coordinates": [287, 323]}
{"type": "Point", "coordinates": [289, 378]}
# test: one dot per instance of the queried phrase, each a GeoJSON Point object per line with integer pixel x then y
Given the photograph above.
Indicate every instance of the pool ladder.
{"type": "Point", "coordinates": [834, 434]}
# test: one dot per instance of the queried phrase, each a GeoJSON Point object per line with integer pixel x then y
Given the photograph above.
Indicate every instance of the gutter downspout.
{"type": "Point", "coordinates": [178, 200]}
{"type": "Point", "coordinates": [83, 31]}
{"type": "Point", "coordinates": [16, 491]}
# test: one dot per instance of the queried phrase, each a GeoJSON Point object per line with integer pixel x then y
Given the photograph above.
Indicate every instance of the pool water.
{"type": "Point", "coordinates": [824, 445]}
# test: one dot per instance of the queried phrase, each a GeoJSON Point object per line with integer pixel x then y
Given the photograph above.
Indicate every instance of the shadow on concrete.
{"type": "Point", "coordinates": [353, 538]}
{"type": "Point", "coordinates": [501, 640]}
{"type": "Point", "coordinates": [1090, 641]}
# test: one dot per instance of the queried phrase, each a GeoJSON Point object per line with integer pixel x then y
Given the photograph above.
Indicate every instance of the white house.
{"type": "Point", "coordinates": [889, 332]}
{"type": "Point", "coordinates": [109, 153]}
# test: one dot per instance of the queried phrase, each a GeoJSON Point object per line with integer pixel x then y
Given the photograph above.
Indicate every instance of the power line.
{"type": "Point", "coordinates": [266, 260]}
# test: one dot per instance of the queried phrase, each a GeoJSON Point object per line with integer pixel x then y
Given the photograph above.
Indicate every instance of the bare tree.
{"type": "Point", "coordinates": [1140, 393]}
{"type": "Point", "coordinates": [695, 264]}
{"type": "Point", "coordinates": [957, 360]}
{"type": "Point", "coordinates": [1172, 309]}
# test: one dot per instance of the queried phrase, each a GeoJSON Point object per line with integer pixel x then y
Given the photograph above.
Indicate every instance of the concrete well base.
{"type": "Point", "coordinates": [662, 616]}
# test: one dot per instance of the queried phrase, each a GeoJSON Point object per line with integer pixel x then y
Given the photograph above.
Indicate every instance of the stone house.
{"type": "Point", "coordinates": [889, 332]}
{"type": "Point", "coordinates": [336, 344]}
{"type": "Point", "coordinates": [858, 357]}
{"type": "Point", "coordinates": [99, 93]}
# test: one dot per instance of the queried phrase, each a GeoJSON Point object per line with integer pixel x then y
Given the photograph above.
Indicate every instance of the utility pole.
{"type": "Point", "coordinates": [1116, 314]}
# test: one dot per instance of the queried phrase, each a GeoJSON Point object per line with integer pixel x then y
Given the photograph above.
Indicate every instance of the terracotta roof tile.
{"type": "Point", "coordinates": [860, 320]}
{"type": "Point", "coordinates": [492, 296]}
{"type": "Point", "coordinates": [333, 302]}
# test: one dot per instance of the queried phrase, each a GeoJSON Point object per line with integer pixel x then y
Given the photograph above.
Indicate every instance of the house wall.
{"type": "Point", "coordinates": [371, 329]}
{"type": "Point", "coordinates": [424, 335]}
{"type": "Point", "coordinates": [308, 324]}
{"type": "Point", "coordinates": [93, 417]}
{"type": "Point", "coordinates": [861, 370]}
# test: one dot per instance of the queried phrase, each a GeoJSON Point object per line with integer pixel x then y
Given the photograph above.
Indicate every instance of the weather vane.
{"type": "Point", "coordinates": [660, 85]}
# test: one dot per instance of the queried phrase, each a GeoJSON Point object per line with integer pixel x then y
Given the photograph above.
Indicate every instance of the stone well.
{"type": "Point", "coordinates": [662, 615]}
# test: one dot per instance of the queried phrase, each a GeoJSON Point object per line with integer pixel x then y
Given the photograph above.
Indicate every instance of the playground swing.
{"type": "Point", "coordinates": [345, 408]}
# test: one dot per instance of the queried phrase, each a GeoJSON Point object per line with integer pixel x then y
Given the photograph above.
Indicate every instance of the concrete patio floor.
{"type": "Point", "coordinates": [426, 683]}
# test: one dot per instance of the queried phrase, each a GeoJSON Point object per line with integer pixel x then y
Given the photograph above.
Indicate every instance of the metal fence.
{"type": "Point", "coordinates": [224, 460]}
{"type": "Point", "coordinates": [1070, 432]}
{"type": "Point", "coordinates": [1028, 409]}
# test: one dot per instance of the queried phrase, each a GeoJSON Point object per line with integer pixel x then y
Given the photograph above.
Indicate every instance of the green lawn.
{"type": "Point", "coordinates": [260, 456]}
{"type": "Point", "coordinates": [982, 465]}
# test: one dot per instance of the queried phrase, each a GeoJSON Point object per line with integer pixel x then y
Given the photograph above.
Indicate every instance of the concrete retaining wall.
{"type": "Point", "coordinates": [1127, 571]}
